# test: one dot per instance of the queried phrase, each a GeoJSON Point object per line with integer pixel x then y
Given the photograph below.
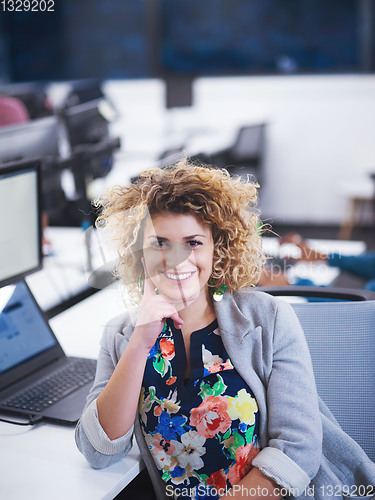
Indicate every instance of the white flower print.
{"type": "Point", "coordinates": [190, 450]}
{"type": "Point", "coordinates": [214, 363]}
{"type": "Point", "coordinates": [209, 359]}
{"type": "Point", "coordinates": [162, 451]}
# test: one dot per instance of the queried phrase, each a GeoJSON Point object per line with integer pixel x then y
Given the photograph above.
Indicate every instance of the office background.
{"type": "Point", "coordinates": [187, 75]}
{"type": "Point", "coordinates": [303, 67]}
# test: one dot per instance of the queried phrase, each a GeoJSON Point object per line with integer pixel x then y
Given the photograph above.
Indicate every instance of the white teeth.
{"type": "Point", "coordinates": [178, 276]}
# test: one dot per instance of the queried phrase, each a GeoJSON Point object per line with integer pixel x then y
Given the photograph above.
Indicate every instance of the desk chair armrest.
{"type": "Point", "coordinates": [105, 146]}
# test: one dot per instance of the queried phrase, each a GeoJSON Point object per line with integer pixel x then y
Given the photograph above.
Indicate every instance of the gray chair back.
{"type": "Point", "coordinates": [341, 338]}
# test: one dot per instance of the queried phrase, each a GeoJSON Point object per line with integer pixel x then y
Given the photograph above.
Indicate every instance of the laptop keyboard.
{"type": "Point", "coordinates": [56, 386]}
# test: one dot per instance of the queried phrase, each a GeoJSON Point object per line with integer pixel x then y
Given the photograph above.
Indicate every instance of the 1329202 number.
{"type": "Point", "coordinates": [27, 5]}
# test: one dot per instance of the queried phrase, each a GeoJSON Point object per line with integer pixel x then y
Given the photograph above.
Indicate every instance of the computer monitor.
{"type": "Point", "coordinates": [21, 228]}
{"type": "Point", "coordinates": [34, 139]}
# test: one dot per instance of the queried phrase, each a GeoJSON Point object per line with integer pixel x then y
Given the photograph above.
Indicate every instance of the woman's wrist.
{"type": "Point", "coordinates": [117, 403]}
{"type": "Point", "coordinates": [255, 485]}
{"type": "Point", "coordinates": [137, 344]}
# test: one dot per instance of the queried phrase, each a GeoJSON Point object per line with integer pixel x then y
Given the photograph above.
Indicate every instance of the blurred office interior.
{"type": "Point", "coordinates": [282, 90]}
{"type": "Point", "coordinates": [99, 90]}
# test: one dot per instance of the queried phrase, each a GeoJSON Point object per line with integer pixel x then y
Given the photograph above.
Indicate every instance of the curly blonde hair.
{"type": "Point", "coordinates": [226, 204]}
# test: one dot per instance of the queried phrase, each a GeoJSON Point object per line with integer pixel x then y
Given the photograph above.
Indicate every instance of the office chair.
{"type": "Point", "coordinates": [84, 91]}
{"type": "Point", "coordinates": [91, 149]}
{"type": "Point", "coordinates": [12, 111]}
{"type": "Point", "coordinates": [34, 97]}
{"type": "Point", "coordinates": [246, 155]}
{"type": "Point", "coordinates": [341, 339]}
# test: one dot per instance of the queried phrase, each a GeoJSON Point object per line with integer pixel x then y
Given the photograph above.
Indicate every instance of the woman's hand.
{"type": "Point", "coordinates": [255, 486]}
{"type": "Point", "coordinates": [117, 403]}
{"type": "Point", "coordinates": [153, 311]}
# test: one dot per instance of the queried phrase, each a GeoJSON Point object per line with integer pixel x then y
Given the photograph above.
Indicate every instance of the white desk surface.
{"type": "Point", "coordinates": [42, 462]}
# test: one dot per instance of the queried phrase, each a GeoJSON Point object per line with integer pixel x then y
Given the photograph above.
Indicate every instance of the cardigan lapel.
{"type": "Point", "coordinates": [230, 318]}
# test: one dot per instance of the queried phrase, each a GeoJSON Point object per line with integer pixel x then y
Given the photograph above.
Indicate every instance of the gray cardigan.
{"type": "Point", "coordinates": [303, 448]}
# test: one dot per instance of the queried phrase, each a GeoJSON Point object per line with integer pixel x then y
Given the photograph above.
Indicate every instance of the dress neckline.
{"type": "Point", "coordinates": [206, 329]}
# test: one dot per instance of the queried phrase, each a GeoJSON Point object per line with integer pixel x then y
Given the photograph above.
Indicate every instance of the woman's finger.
{"type": "Point", "coordinates": [149, 289]}
{"type": "Point", "coordinates": [177, 321]}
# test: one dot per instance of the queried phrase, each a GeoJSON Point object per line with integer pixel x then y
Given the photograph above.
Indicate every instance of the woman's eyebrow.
{"type": "Point", "coordinates": [193, 236]}
{"type": "Point", "coordinates": [161, 238]}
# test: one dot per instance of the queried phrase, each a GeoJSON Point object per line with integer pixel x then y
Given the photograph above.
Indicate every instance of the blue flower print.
{"type": "Point", "coordinates": [177, 471]}
{"type": "Point", "coordinates": [170, 427]}
{"type": "Point", "coordinates": [242, 426]}
{"type": "Point", "coordinates": [152, 352]}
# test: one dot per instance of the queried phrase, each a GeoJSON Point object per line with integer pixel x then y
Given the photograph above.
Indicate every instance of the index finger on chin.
{"type": "Point", "coordinates": [149, 288]}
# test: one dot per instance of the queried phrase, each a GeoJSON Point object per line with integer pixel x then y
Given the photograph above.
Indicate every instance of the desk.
{"type": "Point", "coordinates": [318, 272]}
{"type": "Point", "coordinates": [42, 462]}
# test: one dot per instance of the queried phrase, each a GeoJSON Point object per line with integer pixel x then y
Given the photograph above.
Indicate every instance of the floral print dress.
{"type": "Point", "coordinates": [202, 432]}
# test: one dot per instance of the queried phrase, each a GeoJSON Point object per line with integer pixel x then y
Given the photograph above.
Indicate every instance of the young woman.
{"type": "Point", "coordinates": [213, 378]}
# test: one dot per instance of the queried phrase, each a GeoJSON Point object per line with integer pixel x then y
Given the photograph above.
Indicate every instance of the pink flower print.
{"type": "Point", "coordinates": [167, 348]}
{"type": "Point", "coordinates": [218, 367]}
{"type": "Point", "coordinates": [244, 457]}
{"type": "Point", "coordinates": [211, 416]}
{"type": "Point", "coordinates": [218, 480]}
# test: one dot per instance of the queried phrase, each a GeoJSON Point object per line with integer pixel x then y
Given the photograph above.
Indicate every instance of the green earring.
{"type": "Point", "coordinates": [217, 293]}
{"type": "Point", "coordinates": [140, 285]}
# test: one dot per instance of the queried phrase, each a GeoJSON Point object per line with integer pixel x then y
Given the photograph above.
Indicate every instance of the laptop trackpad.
{"type": "Point", "coordinates": [69, 409]}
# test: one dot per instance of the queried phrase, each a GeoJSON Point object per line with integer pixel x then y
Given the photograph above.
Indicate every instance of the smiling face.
{"type": "Point", "coordinates": [178, 255]}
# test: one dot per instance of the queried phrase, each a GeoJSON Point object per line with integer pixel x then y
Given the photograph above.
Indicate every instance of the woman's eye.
{"type": "Point", "coordinates": [194, 243]}
{"type": "Point", "coordinates": [159, 244]}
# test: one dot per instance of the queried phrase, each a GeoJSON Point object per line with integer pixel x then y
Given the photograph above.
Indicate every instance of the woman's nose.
{"type": "Point", "coordinates": [176, 254]}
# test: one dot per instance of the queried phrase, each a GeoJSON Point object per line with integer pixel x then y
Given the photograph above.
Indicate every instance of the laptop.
{"type": "Point", "coordinates": [37, 380]}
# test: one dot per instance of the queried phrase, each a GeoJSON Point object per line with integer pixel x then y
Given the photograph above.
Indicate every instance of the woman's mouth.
{"type": "Point", "coordinates": [179, 276]}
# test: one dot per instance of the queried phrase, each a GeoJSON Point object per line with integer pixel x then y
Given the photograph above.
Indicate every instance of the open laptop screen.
{"type": "Point", "coordinates": [23, 331]}
{"type": "Point", "coordinates": [20, 235]}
